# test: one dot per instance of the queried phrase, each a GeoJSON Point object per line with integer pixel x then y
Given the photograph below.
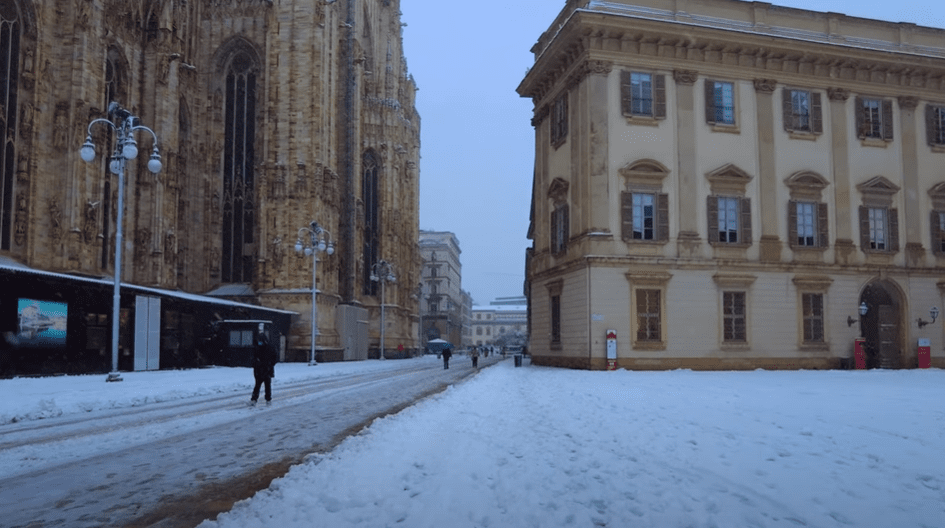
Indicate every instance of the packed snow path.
{"type": "Point", "coordinates": [122, 467]}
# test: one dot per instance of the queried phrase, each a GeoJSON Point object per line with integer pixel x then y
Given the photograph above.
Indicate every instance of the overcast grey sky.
{"type": "Point", "coordinates": [477, 143]}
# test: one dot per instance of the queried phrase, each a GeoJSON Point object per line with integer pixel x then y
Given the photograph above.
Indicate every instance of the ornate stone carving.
{"type": "Point", "coordinates": [765, 85]}
{"type": "Point", "coordinates": [278, 252]}
{"type": "Point", "coordinates": [55, 219]}
{"type": "Point", "coordinates": [908, 102]}
{"type": "Point", "coordinates": [540, 115]}
{"type": "Point", "coordinates": [90, 222]}
{"type": "Point", "coordinates": [838, 94]}
{"type": "Point", "coordinates": [685, 77]}
{"type": "Point", "coordinates": [20, 221]}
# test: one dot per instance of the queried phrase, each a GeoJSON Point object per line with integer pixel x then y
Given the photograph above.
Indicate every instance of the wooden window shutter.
{"type": "Point", "coordinates": [936, 230]}
{"type": "Point", "coordinates": [816, 114]}
{"type": "Point", "coordinates": [626, 94]}
{"type": "Point", "coordinates": [864, 227]}
{"type": "Point", "coordinates": [662, 217]}
{"type": "Point", "coordinates": [887, 120]}
{"type": "Point", "coordinates": [712, 206]}
{"type": "Point", "coordinates": [930, 124]}
{"type": "Point", "coordinates": [709, 101]}
{"type": "Point", "coordinates": [893, 215]}
{"type": "Point", "coordinates": [823, 232]}
{"type": "Point", "coordinates": [626, 215]}
{"type": "Point", "coordinates": [788, 113]}
{"type": "Point", "coordinates": [554, 231]}
{"type": "Point", "coordinates": [744, 230]}
{"type": "Point", "coordinates": [792, 223]}
{"type": "Point", "coordinates": [659, 96]}
{"type": "Point", "coordinates": [860, 113]}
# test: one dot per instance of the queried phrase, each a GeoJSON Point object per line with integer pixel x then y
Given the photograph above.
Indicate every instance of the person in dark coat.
{"type": "Point", "coordinates": [474, 354]}
{"type": "Point", "coordinates": [447, 352]}
{"type": "Point", "coordinates": [264, 365]}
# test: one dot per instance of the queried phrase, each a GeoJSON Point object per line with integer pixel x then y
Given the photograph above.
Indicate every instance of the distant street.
{"type": "Point", "coordinates": [194, 458]}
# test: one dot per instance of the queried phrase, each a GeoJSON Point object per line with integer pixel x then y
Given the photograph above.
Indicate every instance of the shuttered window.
{"type": "Point", "coordinates": [807, 224]}
{"type": "Point", "coordinates": [555, 318]}
{"type": "Point", "coordinates": [719, 102]}
{"type": "Point", "coordinates": [559, 120]}
{"type": "Point", "coordinates": [938, 231]}
{"type": "Point", "coordinates": [645, 216]}
{"type": "Point", "coordinates": [729, 219]}
{"type": "Point", "coordinates": [559, 229]}
{"type": "Point", "coordinates": [935, 125]}
{"type": "Point", "coordinates": [879, 229]}
{"type": "Point", "coordinates": [874, 118]}
{"type": "Point", "coordinates": [643, 94]}
{"type": "Point", "coordinates": [802, 111]}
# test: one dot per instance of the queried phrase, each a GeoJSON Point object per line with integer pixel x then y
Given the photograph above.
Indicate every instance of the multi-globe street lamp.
{"type": "Point", "coordinates": [317, 239]}
{"type": "Point", "coordinates": [382, 272]}
{"type": "Point", "coordinates": [125, 148]}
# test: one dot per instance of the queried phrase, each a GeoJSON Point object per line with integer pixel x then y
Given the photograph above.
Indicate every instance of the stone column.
{"type": "Point", "coordinates": [843, 208]}
{"type": "Point", "coordinates": [687, 242]}
{"type": "Point", "coordinates": [767, 171]}
{"type": "Point", "coordinates": [910, 180]}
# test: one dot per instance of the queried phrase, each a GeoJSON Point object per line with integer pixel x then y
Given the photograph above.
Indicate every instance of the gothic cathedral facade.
{"type": "Point", "coordinates": [269, 115]}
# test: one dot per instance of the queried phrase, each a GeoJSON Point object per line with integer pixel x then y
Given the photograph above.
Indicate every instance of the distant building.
{"type": "Point", "coordinates": [444, 306]}
{"type": "Point", "coordinates": [503, 322]}
{"type": "Point", "coordinates": [724, 184]}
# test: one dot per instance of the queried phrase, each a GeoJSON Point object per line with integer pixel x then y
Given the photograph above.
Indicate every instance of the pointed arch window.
{"type": "Point", "coordinates": [9, 76]}
{"type": "Point", "coordinates": [372, 224]}
{"type": "Point", "coordinates": [239, 185]}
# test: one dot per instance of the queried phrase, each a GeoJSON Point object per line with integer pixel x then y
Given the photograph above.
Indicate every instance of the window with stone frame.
{"type": "Point", "coordinates": [649, 316]}
{"type": "Point", "coordinates": [878, 219]}
{"type": "Point", "coordinates": [10, 28]}
{"type": "Point", "coordinates": [812, 310]}
{"type": "Point", "coordinates": [734, 317]}
{"type": "Point", "coordinates": [643, 94]}
{"type": "Point", "coordinates": [644, 216]}
{"type": "Point", "coordinates": [938, 232]}
{"type": "Point", "coordinates": [874, 118]}
{"type": "Point", "coordinates": [719, 102]}
{"type": "Point", "coordinates": [555, 318]}
{"type": "Point", "coordinates": [935, 125]}
{"type": "Point", "coordinates": [807, 224]}
{"type": "Point", "coordinates": [559, 229]}
{"type": "Point", "coordinates": [559, 120]}
{"type": "Point", "coordinates": [802, 111]}
{"type": "Point", "coordinates": [729, 219]}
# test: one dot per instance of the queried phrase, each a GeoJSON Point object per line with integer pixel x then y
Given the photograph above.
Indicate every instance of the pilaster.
{"type": "Point", "coordinates": [767, 171]}
{"type": "Point", "coordinates": [844, 246]}
{"type": "Point", "coordinates": [688, 241]}
{"type": "Point", "coordinates": [910, 179]}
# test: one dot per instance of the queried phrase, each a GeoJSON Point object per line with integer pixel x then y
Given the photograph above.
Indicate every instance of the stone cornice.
{"type": "Point", "coordinates": [765, 85]}
{"type": "Point", "coordinates": [811, 62]}
{"type": "Point", "coordinates": [685, 77]}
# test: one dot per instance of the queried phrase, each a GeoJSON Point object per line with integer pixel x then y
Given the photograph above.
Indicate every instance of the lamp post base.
{"type": "Point", "coordinates": [113, 376]}
{"type": "Point", "coordinates": [313, 363]}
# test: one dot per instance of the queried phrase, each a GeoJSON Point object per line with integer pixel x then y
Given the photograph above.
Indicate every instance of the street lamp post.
{"type": "Point", "coordinates": [319, 239]}
{"type": "Point", "coordinates": [125, 149]}
{"type": "Point", "coordinates": [383, 272]}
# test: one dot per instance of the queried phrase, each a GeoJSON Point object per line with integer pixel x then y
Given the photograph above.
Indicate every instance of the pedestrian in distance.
{"type": "Point", "coordinates": [474, 354]}
{"type": "Point", "coordinates": [264, 365]}
{"type": "Point", "coordinates": [447, 353]}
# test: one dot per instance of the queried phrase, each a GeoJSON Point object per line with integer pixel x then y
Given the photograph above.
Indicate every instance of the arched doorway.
{"type": "Point", "coordinates": [881, 326]}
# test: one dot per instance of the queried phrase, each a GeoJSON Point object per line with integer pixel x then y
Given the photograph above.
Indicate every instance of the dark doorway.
{"type": "Point", "coordinates": [880, 326]}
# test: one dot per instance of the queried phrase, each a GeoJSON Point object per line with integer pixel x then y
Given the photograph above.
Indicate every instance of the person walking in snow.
{"type": "Point", "coordinates": [447, 353]}
{"type": "Point", "coordinates": [264, 365]}
{"type": "Point", "coordinates": [474, 354]}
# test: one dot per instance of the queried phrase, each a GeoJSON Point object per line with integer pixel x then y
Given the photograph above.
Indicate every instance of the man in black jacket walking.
{"type": "Point", "coordinates": [264, 364]}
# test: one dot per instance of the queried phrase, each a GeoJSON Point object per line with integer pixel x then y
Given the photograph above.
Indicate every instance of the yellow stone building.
{"type": "Point", "coordinates": [269, 115]}
{"type": "Point", "coordinates": [727, 185]}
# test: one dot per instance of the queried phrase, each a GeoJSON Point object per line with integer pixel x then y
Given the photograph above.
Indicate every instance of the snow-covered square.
{"type": "Point", "coordinates": [542, 447]}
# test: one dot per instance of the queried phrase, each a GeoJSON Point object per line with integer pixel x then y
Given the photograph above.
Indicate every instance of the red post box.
{"type": "Point", "coordinates": [859, 353]}
{"type": "Point", "coordinates": [925, 353]}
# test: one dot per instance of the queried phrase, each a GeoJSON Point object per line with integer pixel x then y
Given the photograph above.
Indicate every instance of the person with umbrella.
{"type": "Point", "coordinates": [447, 353]}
